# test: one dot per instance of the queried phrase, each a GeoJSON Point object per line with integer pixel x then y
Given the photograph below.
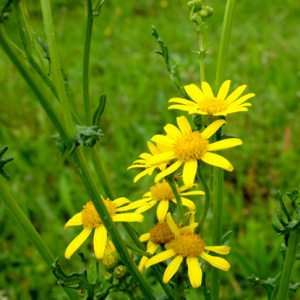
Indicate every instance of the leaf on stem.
{"type": "Point", "coordinates": [3, 162]}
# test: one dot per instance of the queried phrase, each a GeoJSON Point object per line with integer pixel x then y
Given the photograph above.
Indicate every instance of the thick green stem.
{"type": "Point", "coordinates": [86, 60]}
{"type": "Point", "coordinates": [202, 39]}
{"type": "Point", "coordinates": [288, 264]}
{"type": "Point", "coordinates": [206, 203]}
{"type": "Point", "coordinates": [55, 66]}
{"type": "Point", "coordinates": [21, 219]}
{"type": "Point", "coordinates": [172, 184]}
{"type": "Point", "coordinates": [218, 173]}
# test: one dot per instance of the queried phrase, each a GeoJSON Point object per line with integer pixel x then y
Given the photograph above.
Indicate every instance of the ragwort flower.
{"type": "Point", "coordinates": [188, 147]}
{"type": "Point", "coordinates": [162, 193]}
{"type": "Point", "coordinates": [189, 245]}
{"type": "Point", "coordinates": [90, 219]}
{"type": "Point", "coordinates": [144, 161]}
{"type": "Point", "coordinates": [205, 103]}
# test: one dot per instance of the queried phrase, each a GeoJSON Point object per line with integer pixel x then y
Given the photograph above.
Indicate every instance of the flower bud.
{"type": "Point", "coordinates": [108, 276]}
{"type": "Point", "coordinates": [206, 12]}
{"type": "Point", "coordinates": [111, 261]}
{"type": "Point", "coordinates": [120, 271]}
{"type": "Point", "coordinates": [197, 4]}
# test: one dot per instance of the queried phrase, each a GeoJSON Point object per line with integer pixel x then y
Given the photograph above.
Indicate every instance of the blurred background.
{"type": "Point", "coordinates": [263, 53]}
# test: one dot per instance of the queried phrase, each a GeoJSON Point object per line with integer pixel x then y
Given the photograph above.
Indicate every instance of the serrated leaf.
{"type": "Point", "coordinates": [3, 162]}
{"type": "Point", "coordinates": [99, 111]}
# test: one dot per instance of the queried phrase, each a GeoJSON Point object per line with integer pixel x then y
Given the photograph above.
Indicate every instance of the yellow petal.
{"type": "Point", "coordinates": [128, 217]}
{"type": "Point", "coordinates": [146, 195]}
{"type": "Point", "coordinates": [235, 109]}
{"type": "Point", "coordinates": [197, 111]}
{"type": "Point", "coordinates": [152, 148]}
{"type": "Point", "coordinates": [207, 91]}
{"type": "Point", "coordinates": [194, 271]}
{"type": "Point", "coordinates": [224, 144]}
{"type": "Point", "coordinates": [77, 242]}
{"type": "Point", "coordinates": [146, 207]}
{"type": "Point", "coordinates": [145, 155]}
{"type": "Point", "coordinates": [217, 160]}
{"type": "Point", "coordinates": [162, 210]}
{"type": "Point", "coordinates": [140, 175]}
{"type": "Point", "coordinates": [74, 221]}
{"type": "Point", "coordinates": [223, 250]}
{"type": "Point", "coordinates": [183, 124]}
{"type": "Point", "coordinates": [224, 90]}
{"type": "Point", "coordinates": [100, 239]}
{"type": "Point", "coordinates": [162, 157]}
{"type": "Point", "coordinates": [181, 107]}
{"type": "Point", "coordinates": [212, 128]}
{"type": "Point", "coordinates": [188, 203]}
{"type": "Point", "coordinates": [142, 263]}
{"type": "Point", "coordinates": [172, 225]}
{"type": "Point", "coordinates": [189, 173]}
{"type": "Point", "coordinates": [168, 171]}
{"type": "Point", "coordinates": [162, 139]}
{"type": "Point", "coordinates": [184, 187]}
{"type": "Point", "coordinates": [172, 268]}
{"type": "Point", "coordinates": [215, 261]}
{"type": "Point", "coordinates": [151, 247]}
{"type": "Point", "coordinates": [121, 201]}
{"type": "Point", "coordinates": [241, 100]}
{"type": "Point", "coordinates": [160, 257]}
{"type": "Point", "coordinates": [133, 205]}
{"type": "Point", "coordinates": [172, 131]}
{"type": "Point", "coordinates": [192, 193]}
{"type": "Point", "coordinates": [194, 92]}
{"type": "Point", "coordinates": [145, 237]}
{"type": "Point", "coordinates": [233, 96]}
{"type": "Point", "coordinates": [183, 101]}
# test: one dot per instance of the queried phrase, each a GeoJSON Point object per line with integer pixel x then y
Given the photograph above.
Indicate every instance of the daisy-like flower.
{"type": "Point", "coordinates": [90, 219]}
{"type": "Point", "coordinates": [162, 193]}
{"type": "Point", "coordinates": [205, 103]}
{"type": "Point", "coordinates": [189, 245]}
{"type": "Point", "coordinates": [189, 147]}
{"type": "Point", "coordinates": [144, 161]}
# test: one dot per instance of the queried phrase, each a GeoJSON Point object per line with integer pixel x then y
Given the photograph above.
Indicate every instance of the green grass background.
{"type": "Point", "coordinates": [263, 53]}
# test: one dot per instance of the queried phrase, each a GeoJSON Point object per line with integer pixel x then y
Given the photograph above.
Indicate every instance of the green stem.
{"type": "Point", "coordinates": [218, 178]}
{"type": "Point", "coordinates": [172, 184]}
{"type": "Point", "coordinates": [21, 219]}
{"type": "Point", "coordinates": [224, 42]}
{"type": "Point", "coordinates": [206, 203]}
{"type": "Point", "coordinates": [81, 165]}
{"type": "Point", "coordinates": [55, 65]}
{"type": "Point", "coordinates": [138, 250]}
{"type": "Point", "coordinates": [202, 39]}
{"type": "Point", "coordinates": [288, 264]}
{"type": "Point", "coordinates": [86, 60]}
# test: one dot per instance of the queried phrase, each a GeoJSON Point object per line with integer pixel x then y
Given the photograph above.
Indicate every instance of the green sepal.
{"type": "Point", "coordinates": [4, 15]}
{"type": "Point", "coordinates": [99, 111]}
{"type": "Point", "coordinates": [174, 70]}
{"type": "Point", "coordinates": [97, 8]}
{"type": "Point", "coordinates": [3, 162]}
{"type": "Point", "coordinates": [77, 281]}
{"type": "Point", "coordinates": [198, 121]}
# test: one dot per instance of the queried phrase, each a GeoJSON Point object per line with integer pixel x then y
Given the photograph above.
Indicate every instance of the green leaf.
{"type": "Point", "coordinates": [59, 143]}
{"type": "Point", "coordinates": [97, 7]}
{"type": "Point", "coordinates": [45, 48]}
{"type": "Point", "coordinates": [99, 111]}
{"type": "Point", "coordinates": [5, 11]}
{"type": "Point", "coordinates": [293, 195]}
{"type": "Point", "coordinates": [3, 162]}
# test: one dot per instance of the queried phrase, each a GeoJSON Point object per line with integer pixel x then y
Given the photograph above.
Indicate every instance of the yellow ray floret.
{"type": "Point", "coordinates": [188, 147]}
{"type": "Point", "coordinates": [205, 103]}
{"type": "Point", "coordinates": [144, 164]}
{"type": "Point", "coordinates": [162, 193]}
{"type": "Point", "coordinates": [189, 245]}
{"type": "Point", "coordinates": [90, 219]}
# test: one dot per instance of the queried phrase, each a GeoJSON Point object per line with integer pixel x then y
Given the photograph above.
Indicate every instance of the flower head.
{"type": "Point", "coordinates": [188, 147]}
{"type": "Point", "coordinates": [90, 219]}
{"type": "Point", "coordinates": [163, 194]}
{"type": "Point", "coordinates": [205, 103]}
{"type": "Point", "coordinates": [189, 245]}
{"type": "Point", "coordinates": [144, 161]}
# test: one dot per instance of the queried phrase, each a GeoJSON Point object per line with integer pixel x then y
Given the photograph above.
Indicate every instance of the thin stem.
{"type": "Point", "coordinates": [86, 60]}
{"type": "Point", "coordinates": [224, 42]}
{"type": "Point", "coordinates": [288, 264]}
{"type": "Point", "coordinates": [206, 203]}
{"type": "Point", "coordinates": [138, 250]}
{"type": "Point", "coordinates": [172, 184]}
{"type": "Point", "coordinates": [55, 65]}
{"type": "Point", "coordinates": [202, 39]}
{"type": "Point", "coordinates": [21, 219]}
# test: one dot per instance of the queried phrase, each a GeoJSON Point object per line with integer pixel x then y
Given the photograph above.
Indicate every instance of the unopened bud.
{"type": "Point", "coordinates": [82, 293]}
{"type": "Point", "coordinates": [208, 11]}
{"type": "Point", "coordinates": [108, 276]}
{"type": "Point", "coordinates": [110, 261]}
{"type": "Point", "coordinates": [120, 271]}
{"type": "Point", "coordinates": [197, 4]}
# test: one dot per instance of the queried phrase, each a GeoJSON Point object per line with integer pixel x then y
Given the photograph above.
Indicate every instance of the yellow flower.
{"type": "Point", "coordinates": [189, 147]}
{"type": "Point", "coordinates": [205, 103]}
{"type": "Point", "coordinates": [187, 244]}
{"type": "Point", "coordinates": [162, 193]}
{"type": "Point", "coordinates": [144, 161]}
{"type": "Point", "coordinates": [90, 219]}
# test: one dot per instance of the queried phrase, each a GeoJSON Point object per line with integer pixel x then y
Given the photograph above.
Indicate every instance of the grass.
{"type": "Point", "coordinates": [263, 53]}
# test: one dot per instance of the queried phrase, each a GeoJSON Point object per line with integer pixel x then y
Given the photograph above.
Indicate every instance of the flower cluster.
{"type": "Point", "coordinates": [184, 150]}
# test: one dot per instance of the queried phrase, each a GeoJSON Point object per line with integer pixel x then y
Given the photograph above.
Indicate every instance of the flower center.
{"type": "Point", "coordinates": [213, 105]}
{"type": "Point", "coordinates": [188, 244]}
{"type": "Point", "coordinates": [90, 217]}
{"type": "Point", "coordinates": [161, 233]}
{"type": "Point", "coordinates": [190, 146]}
{"type": "Point", "coordinates": [162, 192]}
